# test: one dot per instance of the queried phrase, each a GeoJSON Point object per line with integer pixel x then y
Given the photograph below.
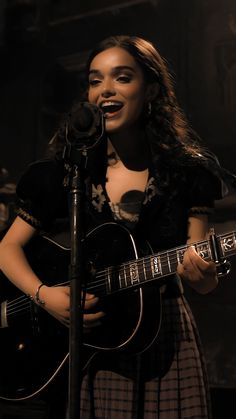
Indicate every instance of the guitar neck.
{"type": "Point", "coordinates": [159, 265]}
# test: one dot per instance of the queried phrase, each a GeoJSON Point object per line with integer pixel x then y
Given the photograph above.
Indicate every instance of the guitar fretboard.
{"type": "Point", "coordinates": [162, 264]}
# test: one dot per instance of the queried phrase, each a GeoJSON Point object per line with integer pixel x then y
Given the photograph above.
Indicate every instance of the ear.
{"type": "Point", "coordinates": [152, 91]}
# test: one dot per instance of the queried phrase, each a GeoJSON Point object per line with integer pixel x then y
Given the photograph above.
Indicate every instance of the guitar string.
{"type": "Point", "coordinates": [98, 283]}
{"type": "Point", "coordinates": [140, 261]}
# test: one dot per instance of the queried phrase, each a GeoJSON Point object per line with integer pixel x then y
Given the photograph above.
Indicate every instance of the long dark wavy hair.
{"type": "Point", "coordinates": [173, 143]}
{"type": "Point", "coordinates": [167, 120]}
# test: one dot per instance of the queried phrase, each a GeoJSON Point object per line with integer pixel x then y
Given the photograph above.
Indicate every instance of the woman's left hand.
{"type": "Point", "coordinates": [200, 275]}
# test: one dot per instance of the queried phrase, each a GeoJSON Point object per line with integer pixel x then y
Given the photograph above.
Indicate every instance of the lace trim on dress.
{"type": "Point", "coordinates": [99, 196]}
{"type": "Point", "coordinates": [29, 218]}
{"type": "Point", "coordinates": [150, 191]}
{"type": "Point", "coordinates": [128, 212]}
{"type": "Point", "coordinates": [200, 210]}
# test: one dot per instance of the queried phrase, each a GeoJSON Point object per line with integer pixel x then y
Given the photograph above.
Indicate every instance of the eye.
{"type": "Point", "coordinates": [123, 78]}
{"type": "Point", "coordinates": [94, 82]}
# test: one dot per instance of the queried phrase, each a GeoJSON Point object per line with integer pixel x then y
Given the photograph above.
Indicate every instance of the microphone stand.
{"type": "Point", "coordinates": [77, 280]}
{"type": "Point", "coordinates": [76, 154]}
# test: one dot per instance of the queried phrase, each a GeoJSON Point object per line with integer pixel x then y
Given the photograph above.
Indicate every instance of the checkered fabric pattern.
{"type": "Point", "coordinates": [167, 381]}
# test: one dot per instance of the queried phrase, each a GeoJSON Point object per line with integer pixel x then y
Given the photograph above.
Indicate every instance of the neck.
{"type": "Point", "coordinates": [132, 150]}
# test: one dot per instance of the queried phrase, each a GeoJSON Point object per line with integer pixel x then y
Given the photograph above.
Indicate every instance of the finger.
{"type": "Point", "coordinates": [89, 296]}
{"type": "Point", "coordinates": [180, 269]}
{"type": "Point", "coordinates": [211, 267]}
{"type": "Point", "coordinates": [90, 317]}
{"type": "Point", "coordinates": [88, 327]}
{"type": "Point", "coordinates": [193, 262]}
{"type": "Point", "coordinates": [189, 268]}
{"type": "Point", "coordinates": [89, 304]}
{"type": "Point", "coordinates": [201, 265]}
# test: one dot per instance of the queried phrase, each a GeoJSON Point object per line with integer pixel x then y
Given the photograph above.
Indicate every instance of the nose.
{"type": "Point", "coordinates": [108, 89]}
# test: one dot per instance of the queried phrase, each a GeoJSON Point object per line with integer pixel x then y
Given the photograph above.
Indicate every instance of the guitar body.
{"type": "Point", "coordinates": [34, 346]}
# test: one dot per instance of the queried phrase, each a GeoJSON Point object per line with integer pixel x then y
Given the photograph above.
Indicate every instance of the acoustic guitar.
{"type": "Point", "coordinates": [34, 345]}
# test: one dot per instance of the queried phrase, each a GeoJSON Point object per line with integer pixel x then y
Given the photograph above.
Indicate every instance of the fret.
{"type": "Point", "coordinates": [144, 270]}
{"type": "Point", "coordinates": [109, 290]}
{"type": "Point", "coordinates": [162, 264]}
{"type": "Point", "coordinates": [122, 278]}
{"type": "Point", "coordinates": [180, 254]}
{"type": "Point", "coordinates": [117, 278]}
{"type": "Point", "coordinates": [147, 268]}
{"type": "Point", "coordinates": [168, 261]}
{"type": "Point", "coordinates": [141, 273]}
{"type": "Point", "coordinates": [125, 277]}
{"type": "Point", "coordinates": [175, 257]}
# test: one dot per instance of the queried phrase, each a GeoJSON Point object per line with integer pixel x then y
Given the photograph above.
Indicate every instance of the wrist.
{"type": "Point", "coordinates": [205, 285]}
{"type": "Point", "coordinates": [36, 297]}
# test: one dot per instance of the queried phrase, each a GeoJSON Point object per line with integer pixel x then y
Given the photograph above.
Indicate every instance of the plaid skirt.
{"type": "Point", "coordinates": [167, 381]}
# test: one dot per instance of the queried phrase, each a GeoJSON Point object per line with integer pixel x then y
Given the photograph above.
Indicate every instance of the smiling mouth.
{"type": "Point", "coordinates": [110, 109]}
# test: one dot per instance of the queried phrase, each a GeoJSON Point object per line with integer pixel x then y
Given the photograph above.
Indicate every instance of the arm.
{"type": "Point", "coordinates": [15, 266]}
{"type": "Point", "coordinates": [198, 273]}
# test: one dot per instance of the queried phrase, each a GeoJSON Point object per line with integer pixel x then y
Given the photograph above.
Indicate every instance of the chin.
{"type": "Point", "coordinates": [112, 128]}
{"type": "Point", "coordinates": [117, 127]}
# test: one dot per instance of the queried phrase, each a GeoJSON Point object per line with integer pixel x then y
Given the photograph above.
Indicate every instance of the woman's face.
{"type": "Point", "coordinates": [117, 86]}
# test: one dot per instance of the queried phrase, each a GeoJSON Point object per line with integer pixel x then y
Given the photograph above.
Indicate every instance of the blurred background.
{"type": "Point", "coordinates": [43, 49]}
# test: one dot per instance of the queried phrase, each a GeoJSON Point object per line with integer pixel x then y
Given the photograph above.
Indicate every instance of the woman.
{"type": "Point", "coordinates": [158, 182]}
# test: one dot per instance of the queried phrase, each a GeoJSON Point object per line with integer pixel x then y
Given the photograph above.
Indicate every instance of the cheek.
{"type": "Point", "coordinates": [137, 103]}
{"type": "Point", "coordinates": [91, 96]}
{"type": "Point", "coordinates": [137, 98]}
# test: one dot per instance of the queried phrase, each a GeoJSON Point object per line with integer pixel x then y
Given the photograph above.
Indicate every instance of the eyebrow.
{"type": "Point", "coordinates": [114, 69]}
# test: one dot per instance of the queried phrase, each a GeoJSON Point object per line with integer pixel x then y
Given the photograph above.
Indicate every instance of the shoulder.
{"type": "Point", "coordinates": [203, 183]}
{"type": "Point", "coordinates": [41, 195]}
{"type": "Point", "coordinates": [205, 175]}
{"type": "Point", "coordinates": [41, 175]}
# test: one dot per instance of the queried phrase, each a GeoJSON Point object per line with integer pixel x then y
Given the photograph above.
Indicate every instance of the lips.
{"type": "Point", "coordinates": [110, 107]}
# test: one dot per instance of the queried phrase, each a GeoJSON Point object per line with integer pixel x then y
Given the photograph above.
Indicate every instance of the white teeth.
{"type": "Point", "coordinates": [110, 104]}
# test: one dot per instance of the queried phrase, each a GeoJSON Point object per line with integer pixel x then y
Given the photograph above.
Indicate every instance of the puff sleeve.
{"type": "Point", "coordinates": [41, 196]}
{"type": "Point", "coordinates": [205, 184]}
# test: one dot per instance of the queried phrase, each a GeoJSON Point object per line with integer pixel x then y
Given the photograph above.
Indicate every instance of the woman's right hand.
{"type": "Point", "coordinates": [57, 303]}
{"type": "Point", "coordinates": [20, 273]}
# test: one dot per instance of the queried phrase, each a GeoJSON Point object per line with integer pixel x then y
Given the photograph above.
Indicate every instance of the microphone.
{"type": "Point", "coordinates": [84, 126]}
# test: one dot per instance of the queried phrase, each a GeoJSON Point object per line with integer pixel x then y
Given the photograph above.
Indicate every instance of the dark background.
{"type": "Point", "coordinates": [43, 48]}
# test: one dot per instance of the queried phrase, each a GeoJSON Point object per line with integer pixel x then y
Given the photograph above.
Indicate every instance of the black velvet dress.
{"type": "Point", "coordinates": [168, 379]}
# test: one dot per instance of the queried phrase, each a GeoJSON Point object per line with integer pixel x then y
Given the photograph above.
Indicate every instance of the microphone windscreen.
{"type": "Point", "coordinates": [82, 119]}
{"type": "Point", "coordinates": [84, 125]}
